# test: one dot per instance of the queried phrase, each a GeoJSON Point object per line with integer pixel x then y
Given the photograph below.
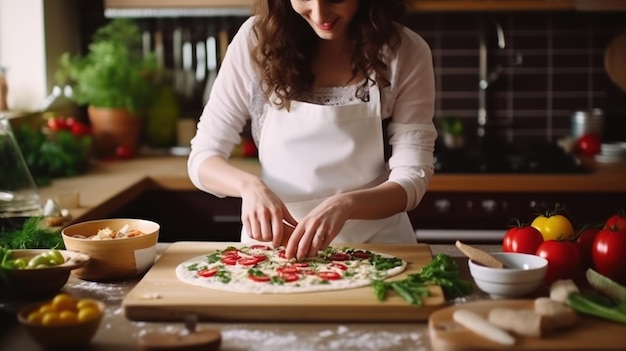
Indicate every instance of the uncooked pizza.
{"type": "Point", "coordinates": [264, 270]}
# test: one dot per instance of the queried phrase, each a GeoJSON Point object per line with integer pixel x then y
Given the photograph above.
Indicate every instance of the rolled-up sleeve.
{"type": "Point", "coordinates": [412, 131]}
{"type": "Point", "coordinates": [226, 112]}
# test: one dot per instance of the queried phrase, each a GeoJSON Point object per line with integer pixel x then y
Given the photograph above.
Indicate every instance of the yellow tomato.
{"type": "Point", "coordinates": [84, 303]}
{"type": "Point", "coordinates": [553, 227]}
{"type": "Point", "coordinates": [50, 318]}
{"type": "Point", "coordinates": [68, 317]}
{"type": "Point", "coordinates": [35, 317]}
{"type": "Point", "coordinates": [87, 313]}
{"type": "Point", "coordinates": [63, 302]}
{"type": "Point", "coordinates": [46, 308]}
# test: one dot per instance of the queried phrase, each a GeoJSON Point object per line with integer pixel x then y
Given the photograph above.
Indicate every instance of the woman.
{"type": "Point", "coordinates": [318, 78]}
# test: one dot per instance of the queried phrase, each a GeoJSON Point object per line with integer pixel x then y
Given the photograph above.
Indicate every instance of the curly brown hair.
{"type": "Point", "coordinates": [286, 43]}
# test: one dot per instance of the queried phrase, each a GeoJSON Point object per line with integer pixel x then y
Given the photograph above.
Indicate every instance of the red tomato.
{"type": "Point", "coordinates": [327, 275]}
{"type": "Point", "coordinates": [289, 277]}
{"type": "Point", "coordinates": [584, 242]}
{"type": "Point", "coordinates": [247, 261]}
{"type": "Point", "coordinates": [338, 265]}
{"type": "Point", "coordinates": [259, 278]}
{"type": "Point", "coordinates": [249, 149]}
{"type": "Point", "coordinates": [230, 252]}
{"type": "Point", "coordinates": [616, 222]}
{"type": "Point", "coordinates": [563, 259]}
{"type": "Point", "coordinates": [260, 247]}
{"type": "Point", "coordinates": [70, 121]}
{"type": "Point", "coordinates": [589, 144]}
{"type": "Point", "coordinates": [57, 123]}
{"type": "Point", "coordinates": [80, 129]}
{"type": "Point", "coordinates": [124, 152]}
{"type": "Point", "coordinates": [524, 239]}
{"type": "Point", "coordinates": [230, 260]}
{"type": "Point", "coordinates": [207, 273]}
{"type": "Point", "coordinates": [609, 254]}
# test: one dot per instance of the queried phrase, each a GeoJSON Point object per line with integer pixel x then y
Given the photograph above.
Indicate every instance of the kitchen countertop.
{"type": "Point", "coordinates": [119, 334]}
{"type": "Point", "coordinates": [110, 185]}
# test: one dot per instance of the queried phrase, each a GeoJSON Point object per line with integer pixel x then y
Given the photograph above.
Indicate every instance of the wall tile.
{"type": "Point", "coordinates": [561, 69]}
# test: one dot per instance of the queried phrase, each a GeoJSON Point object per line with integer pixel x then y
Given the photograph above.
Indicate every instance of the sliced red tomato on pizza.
{"type": "Point", "coordinates": [207, 273]}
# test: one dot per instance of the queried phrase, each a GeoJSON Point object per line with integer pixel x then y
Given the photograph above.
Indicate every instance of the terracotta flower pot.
{"type": "Point", "coordinates": [113, 128]}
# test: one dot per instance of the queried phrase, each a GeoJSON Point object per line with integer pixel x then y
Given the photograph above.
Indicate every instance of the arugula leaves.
{"type": "Point", "coordinates": [442, 271]}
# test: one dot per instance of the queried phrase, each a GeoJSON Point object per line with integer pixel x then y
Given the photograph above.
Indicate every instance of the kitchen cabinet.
{"type": "Point", "coordinates": [415, 5]}
{"type": "Point", "coordinates": [187, 215]}
{"type": "Point", "coordinates": [600, 5]}
{"type": "Point", "coordinates": [490, 5]}
{"type": "Point", "coordinates": [497, 210]}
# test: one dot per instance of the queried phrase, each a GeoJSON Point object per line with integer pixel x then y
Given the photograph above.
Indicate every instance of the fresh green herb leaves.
{"type": "Point", "coordinates": [381, 263]}
{"type": "Point", "coordinates": [442, 271]}
{"type": "Point", "coordinates": [63, 156]}
{"type": "Point", "coordinates": [32, 235]}
{"type": "Point", "coordinates": [223, 276]}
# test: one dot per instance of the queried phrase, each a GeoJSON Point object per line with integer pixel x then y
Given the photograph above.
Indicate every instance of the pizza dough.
{"type": "Point", "coordinates": [262, 269]}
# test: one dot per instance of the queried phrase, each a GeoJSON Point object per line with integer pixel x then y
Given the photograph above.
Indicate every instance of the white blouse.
{"type": "Point", "coordinates": [409, 102]}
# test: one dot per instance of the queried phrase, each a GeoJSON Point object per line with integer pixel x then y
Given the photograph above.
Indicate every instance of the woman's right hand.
{"type": "Point", "coordinates": [263, 215]}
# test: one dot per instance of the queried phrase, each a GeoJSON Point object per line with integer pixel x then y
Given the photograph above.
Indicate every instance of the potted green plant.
{"type": "Point", "coordinates": [451, 129]}
{"type": "Point", "coordinates": [115, 79]}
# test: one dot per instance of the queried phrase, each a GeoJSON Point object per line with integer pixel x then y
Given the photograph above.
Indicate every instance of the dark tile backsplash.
{"type": "Point", "coordinates": [553, 64]}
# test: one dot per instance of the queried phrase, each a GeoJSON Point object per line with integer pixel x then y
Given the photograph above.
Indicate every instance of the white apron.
{"type": "Point", "coordinates": [316, 151]}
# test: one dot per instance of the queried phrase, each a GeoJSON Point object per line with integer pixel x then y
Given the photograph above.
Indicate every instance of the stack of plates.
{"type": "Point", "coordinates": [612, 152]}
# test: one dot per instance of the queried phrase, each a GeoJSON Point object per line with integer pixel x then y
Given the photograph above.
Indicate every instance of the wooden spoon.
{"type": "Point", "coordinates": [479, 255]}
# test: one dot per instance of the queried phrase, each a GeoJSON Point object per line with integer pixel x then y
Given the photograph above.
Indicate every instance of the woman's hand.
{"type": "Point", "coordinates": [263, 215]}
{"type": "Point", "coordinates": [318, 228]}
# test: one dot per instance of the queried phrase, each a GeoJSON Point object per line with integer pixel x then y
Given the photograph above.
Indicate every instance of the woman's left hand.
{"type": "Point", "coordinates": [317, 229]}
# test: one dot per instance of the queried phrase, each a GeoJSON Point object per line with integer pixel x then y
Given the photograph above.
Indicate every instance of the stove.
{"type": "Point", "coordinates": [501, 157]}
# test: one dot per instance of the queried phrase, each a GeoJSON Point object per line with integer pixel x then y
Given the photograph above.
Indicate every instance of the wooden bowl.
{"type": "Point", "coordinates": [35, 283]}
{"type": "Point", "coordinates": [117, 258]}
{"type": "Point", "coordinates": [61, 336]}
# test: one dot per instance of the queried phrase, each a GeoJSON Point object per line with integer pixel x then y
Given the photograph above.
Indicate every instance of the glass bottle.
{"type": "Point", "coordinates": [19, 196]}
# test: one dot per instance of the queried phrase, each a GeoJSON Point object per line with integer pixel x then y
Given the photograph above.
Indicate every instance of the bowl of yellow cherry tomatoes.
{"type": "Point", "coordinates": [63, 320]}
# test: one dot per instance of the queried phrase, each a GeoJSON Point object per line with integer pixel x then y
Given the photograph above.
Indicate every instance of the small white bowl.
{"type": "Point", "coordinates": [523, 275]}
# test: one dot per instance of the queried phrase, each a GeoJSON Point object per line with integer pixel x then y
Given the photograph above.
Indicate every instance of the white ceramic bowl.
{"type": "Point", "coordinates": [523, 275]}
{"type": "Point", "coordinates": [116, 258]}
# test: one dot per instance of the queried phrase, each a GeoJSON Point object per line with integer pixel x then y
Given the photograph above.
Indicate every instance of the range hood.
{"type": "Point", "coordinates": [176, 8]}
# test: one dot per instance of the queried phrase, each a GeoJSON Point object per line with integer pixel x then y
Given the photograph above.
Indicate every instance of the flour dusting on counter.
{"type": "Point", "coordinates": [100, 291]}
{"type": "Point", "coordinates": [340, 338]}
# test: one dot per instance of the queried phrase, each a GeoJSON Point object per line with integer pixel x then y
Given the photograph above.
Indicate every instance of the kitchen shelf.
{"type": "Point", "coordinates": [216, 8]}
{"type": "Point", "coordinates": [490, 5]}
{"type": "Point", "coordinates": [176, 8]}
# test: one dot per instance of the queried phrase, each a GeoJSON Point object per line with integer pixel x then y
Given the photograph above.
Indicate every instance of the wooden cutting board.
{"type": "Point", "coordinates": [161, 296]}
{"type": "Point", "coordinates": [588, 334]}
